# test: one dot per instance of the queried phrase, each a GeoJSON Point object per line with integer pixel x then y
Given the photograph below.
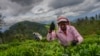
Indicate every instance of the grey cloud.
{"type": "Point", "coordinates": [81, 8]}
{"type": "Point", "coordinates": [23, 2]}
{"type": "Point", "coordinates": [22, 10]}
{"type": "Point", "coordinates": [40, 9]}
{"type": "Point", "coordinates": [17, 7]}
{"type": "Point", "coordinates": [63, 3]}
{"type": "Point", "coordinates": [59, 12]}
{"type": "Point", "coordinates": [26, 2]}
{"type": "Point", "coordinates": [85, 9]}
{"type": "Point", "coordinates": [98, 0]}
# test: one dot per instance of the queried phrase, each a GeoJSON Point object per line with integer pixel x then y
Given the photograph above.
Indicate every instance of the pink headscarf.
{"type": "Point", "coordinates": [61, 18]}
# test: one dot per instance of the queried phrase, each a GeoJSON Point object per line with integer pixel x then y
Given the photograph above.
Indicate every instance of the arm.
{"type": "Point", "coordinates": [51, 36]}
{"type": "Point", "coordinates": [77, 35]}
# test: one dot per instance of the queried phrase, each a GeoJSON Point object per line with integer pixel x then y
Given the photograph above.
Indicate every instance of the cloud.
{"type": "Point", "coordinates": [23, 2]}
{"type": "Point", "coordinates": [64, 3]}
{"type": "Point", "coordinates": [45, 10]}
{"type": "Point", "coordinates": [85, 6]}
{"type": "Point", "coordinates": [26, 2]}
{"type": "Point", "coordinates": [43, 7]}
{"type": "Point", "coordinates": [17, 7]}
{"type": "Point", "coordinates": [98, 0]}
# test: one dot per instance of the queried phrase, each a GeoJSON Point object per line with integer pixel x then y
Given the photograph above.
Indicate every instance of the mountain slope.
{"type": "Point", "coordinates": [25, 29]}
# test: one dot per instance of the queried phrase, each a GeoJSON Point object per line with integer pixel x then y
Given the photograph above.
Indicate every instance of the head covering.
{"type": "Point", "coordinates": [61, 18]}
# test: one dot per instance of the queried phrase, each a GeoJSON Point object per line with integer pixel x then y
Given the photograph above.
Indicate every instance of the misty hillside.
{"type": "Point", "coordinates": [28, 27]}
{"type": "Point", "coordinates": [25, 29]}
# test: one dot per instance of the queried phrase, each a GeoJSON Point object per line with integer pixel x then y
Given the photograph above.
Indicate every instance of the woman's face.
{"type": "Point", "coordinates": [63, 25]}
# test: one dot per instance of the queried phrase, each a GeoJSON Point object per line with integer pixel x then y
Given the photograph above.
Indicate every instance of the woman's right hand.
{"type": "Point", "coordinates": [74, 42]}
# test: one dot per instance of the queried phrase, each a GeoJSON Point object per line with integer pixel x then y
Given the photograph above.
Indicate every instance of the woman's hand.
{"type": "Point", "coordinates": [74, 42]}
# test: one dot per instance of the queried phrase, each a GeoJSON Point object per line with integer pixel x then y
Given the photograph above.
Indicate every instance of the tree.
{"type": "Point", "coordinates": [1, 21]}
{"type": "Point", "coordinates": [96, 16]}
{"type": "Point", "coordinates": [99, 16]}
{"type": "Point", "coordinates": [78, 21]}
{"type": "Point", "coordinates": [92, 19]}
{"type": "Point", "coordinates": [86, 20]}
{"type": "Point", "coordinates": [1, 37]}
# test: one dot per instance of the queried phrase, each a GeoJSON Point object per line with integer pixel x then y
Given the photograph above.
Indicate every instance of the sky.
{"type": "Point", "coordinates": [46, 10]}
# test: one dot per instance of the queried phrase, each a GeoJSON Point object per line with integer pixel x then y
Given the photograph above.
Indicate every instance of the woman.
{"type": "Point", "coordinates": [66, 33]}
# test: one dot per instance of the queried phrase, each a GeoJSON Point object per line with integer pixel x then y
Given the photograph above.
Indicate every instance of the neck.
{"type": "Point", "coordinates": [65, 32]}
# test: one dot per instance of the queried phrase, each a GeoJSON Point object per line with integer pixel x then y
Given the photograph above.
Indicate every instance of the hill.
{"type": "Point", "coordinates": [24, 30]}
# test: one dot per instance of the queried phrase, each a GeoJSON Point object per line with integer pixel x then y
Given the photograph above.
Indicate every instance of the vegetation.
{"type": "Point", "coordinates": [88, 25]}
{"type": "Point", "coordinates": [90, 47]}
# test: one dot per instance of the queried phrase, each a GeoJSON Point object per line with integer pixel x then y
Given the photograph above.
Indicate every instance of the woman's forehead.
{"type": "Point", "coordinates": [62, 22]}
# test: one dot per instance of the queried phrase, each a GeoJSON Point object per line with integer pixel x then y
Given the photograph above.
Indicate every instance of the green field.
{"type": "Point", "coordinates": [90, 47]}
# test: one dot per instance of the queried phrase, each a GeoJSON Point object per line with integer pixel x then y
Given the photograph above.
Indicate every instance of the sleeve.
{"type": "Point", "coordinates": [51, 36]}
{"type": "Point", "coordinates": [77, 35]}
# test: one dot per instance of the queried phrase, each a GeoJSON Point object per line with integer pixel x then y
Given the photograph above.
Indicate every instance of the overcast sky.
{"type": "Point", "coordinates": [46, 10]}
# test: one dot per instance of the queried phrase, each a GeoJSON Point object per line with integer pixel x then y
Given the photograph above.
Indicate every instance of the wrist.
{"type": "Point", "coordinates": [74, 42]}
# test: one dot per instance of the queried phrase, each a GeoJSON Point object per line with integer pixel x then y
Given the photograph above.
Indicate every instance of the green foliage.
{"type": "Point", "coordinates": [90, 47]}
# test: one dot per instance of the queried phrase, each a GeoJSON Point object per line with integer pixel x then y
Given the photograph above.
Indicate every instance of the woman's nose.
{"type": "Point", "coordinates": [62, 25]}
